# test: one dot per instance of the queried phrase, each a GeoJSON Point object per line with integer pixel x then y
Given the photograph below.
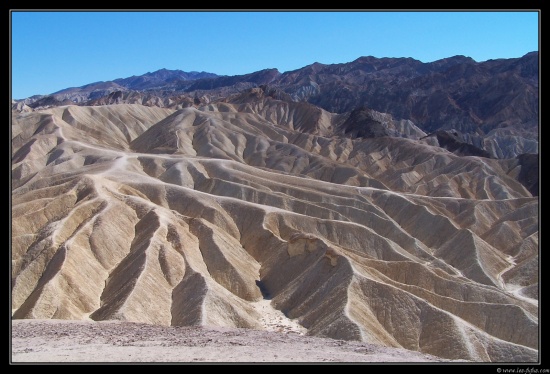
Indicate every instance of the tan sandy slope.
{"type": "Point", "coordinates": [221, 215]}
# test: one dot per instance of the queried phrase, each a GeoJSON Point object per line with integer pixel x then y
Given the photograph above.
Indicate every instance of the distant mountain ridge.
{"type": "Point", "coordinates": [493, 104]}
{"type": "Point", "coordinates": [454, 92]}
{"type": "Point", "coordinates": [160, 78]}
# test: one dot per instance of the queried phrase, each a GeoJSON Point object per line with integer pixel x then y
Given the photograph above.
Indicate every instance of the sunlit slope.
{"type": "Point", "coordinates": [189, 217]}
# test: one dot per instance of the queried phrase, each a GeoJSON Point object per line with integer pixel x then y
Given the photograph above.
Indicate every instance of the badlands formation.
{"type": "Point", "coordinates": [214, 215]}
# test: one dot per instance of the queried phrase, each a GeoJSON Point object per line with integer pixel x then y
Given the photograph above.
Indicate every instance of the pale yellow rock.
{"type": "Point", "coordinates": [195, 216]}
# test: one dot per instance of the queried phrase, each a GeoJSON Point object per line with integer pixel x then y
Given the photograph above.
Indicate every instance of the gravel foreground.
{"type": "Point", "coordinates": [37, 341]}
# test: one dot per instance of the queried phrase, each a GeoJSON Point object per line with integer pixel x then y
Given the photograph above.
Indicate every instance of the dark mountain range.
{"type": "Point", "coordinates": [260, 77]}
{"type": "Point", "coordinates": [455, 92]}
{"type": "Point", "coordinates": [160, 79]}
{"type": "Point", "coordinates": [492, 104]}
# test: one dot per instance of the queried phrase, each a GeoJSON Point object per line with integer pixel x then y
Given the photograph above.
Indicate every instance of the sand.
{"type": "Point", "coordinates": [115, 341]}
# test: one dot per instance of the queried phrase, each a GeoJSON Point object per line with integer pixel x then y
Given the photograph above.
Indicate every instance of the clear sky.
{"type": "Point", "coordinates": [51, 51]}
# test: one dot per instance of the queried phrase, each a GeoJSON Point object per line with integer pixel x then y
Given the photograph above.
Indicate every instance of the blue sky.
{"type": "Point", "coordinates": [51, 51]}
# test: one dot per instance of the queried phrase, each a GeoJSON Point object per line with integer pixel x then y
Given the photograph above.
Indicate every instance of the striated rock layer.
{"type": "Point", "coordinates": [190, 217]}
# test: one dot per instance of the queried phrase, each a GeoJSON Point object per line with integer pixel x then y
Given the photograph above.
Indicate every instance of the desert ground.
{"type": "Point", "coordinates": [115, 341]}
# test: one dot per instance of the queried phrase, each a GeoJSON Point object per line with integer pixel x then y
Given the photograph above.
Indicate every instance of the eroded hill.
{"type": "Point", "coordinates": [190, 217]}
